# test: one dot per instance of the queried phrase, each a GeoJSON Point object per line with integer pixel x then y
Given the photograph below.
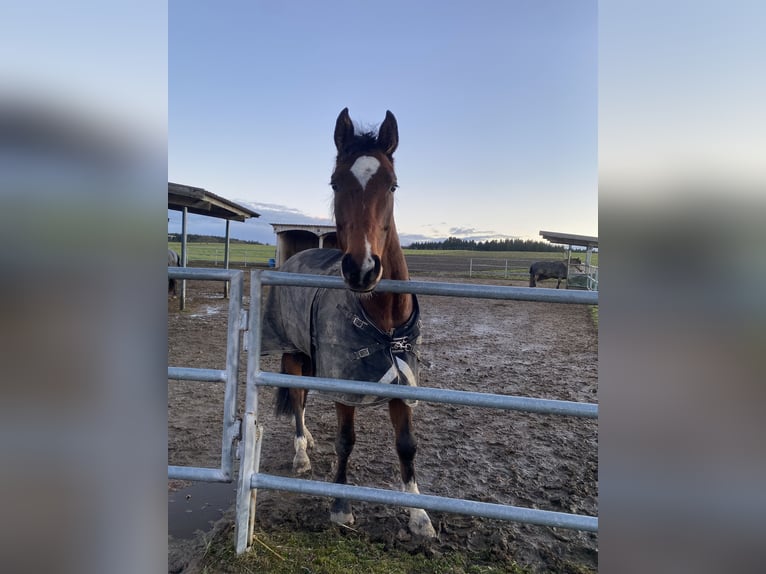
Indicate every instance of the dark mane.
{"type": "Point", "coordinates": [362, 143]}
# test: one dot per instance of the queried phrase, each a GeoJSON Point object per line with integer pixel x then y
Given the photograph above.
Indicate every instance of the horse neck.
{"type": "Point", "coordinates": [389, 310]}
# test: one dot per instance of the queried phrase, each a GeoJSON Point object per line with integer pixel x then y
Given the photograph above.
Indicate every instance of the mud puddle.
{"type": "Point", "coordinates": [197, 507]}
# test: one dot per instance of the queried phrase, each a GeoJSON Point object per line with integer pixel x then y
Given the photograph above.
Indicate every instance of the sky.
{"type": "Point", "coordinates": [496, 104]}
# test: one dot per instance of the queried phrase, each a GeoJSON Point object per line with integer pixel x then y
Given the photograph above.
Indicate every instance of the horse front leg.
{"type": "Point", "coordinates": [340, 511]}
{"type": "Point", "coordinates": [406, 448]}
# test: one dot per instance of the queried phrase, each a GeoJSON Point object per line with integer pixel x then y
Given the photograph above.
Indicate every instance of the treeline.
{"type": "Point", "coordinates": [454, 243]}
{"type": "Point", "coordinates": [191, 238]}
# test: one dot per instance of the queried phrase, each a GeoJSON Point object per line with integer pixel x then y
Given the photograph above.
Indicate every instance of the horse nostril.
{"type": "Point", "coordinates": [346, 264]}
{"type": "Point", "coordinates": [349, 269]}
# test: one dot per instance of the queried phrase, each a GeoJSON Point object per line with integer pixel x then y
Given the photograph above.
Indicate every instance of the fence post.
{"type": "Point", "coordinates": [470, 267]}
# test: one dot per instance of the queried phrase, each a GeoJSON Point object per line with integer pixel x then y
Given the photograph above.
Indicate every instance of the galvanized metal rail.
{"type": "Point", "coordinates": [427, 502]}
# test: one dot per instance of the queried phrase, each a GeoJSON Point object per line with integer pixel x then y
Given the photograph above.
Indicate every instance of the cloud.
{"type": "Point", "coordinates": [471, 233]}
{"type": "Point", "coordinates": [254, 229]}
{"type": "Point", "coordinates": [463, 231]}
{"type": "Point", "coordinates": [408, 238]}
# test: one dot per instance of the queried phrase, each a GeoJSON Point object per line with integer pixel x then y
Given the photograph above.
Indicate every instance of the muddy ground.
{"type": "Point", "coordinates": [536, 461]}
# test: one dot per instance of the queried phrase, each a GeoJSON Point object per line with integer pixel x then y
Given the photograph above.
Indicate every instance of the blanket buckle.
{"type": "Point", "coordinates": [400, 345]}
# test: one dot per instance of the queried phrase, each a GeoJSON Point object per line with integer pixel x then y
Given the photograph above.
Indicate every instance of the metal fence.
{"type": "Point", "coordinates": [242, 438]}
{"type": "Point", "coordinates": [251, 479]}
{"type": "Point", "coordinates": [582, 276]}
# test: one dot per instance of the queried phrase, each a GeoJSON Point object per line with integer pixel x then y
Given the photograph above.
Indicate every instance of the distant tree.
{"type": "Point", "coordinates": [455, 243]}
{"type": "Point", "coordinates": [193, 238]}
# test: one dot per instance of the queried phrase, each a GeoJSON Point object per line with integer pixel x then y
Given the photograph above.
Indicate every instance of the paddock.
{"type": "Point", "coordinates": [546, 462]}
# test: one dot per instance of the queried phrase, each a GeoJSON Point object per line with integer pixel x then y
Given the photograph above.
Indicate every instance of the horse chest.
{"type": "Point", "coordinates": [330, 326]}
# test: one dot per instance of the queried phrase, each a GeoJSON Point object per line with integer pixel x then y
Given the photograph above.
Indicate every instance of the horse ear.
{"type": "Point", "coordinates": [344, 130]}
{"type": "Point", "coordinates": [388, 134]}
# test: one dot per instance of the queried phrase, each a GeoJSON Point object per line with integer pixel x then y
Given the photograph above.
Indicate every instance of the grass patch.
{"type": "Point", "coordinates": [330, 552]}
{"type": "Point", "coordinates": [594, 314]}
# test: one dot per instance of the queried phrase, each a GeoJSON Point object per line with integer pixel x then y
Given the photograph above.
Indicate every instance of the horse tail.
{"type": "Point", "coordinates": [284, 404]}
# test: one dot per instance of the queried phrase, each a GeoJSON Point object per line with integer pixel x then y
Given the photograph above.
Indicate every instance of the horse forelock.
{"type": "Point", "coordinates": [366, 142]}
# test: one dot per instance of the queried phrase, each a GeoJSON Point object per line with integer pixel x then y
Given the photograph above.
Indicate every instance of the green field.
{"type": "Point", "coordinates": [240, 254]}
{"type": "Point", "coordinates": [502, 265]}
{"type": "Point", "coordinates": [246, 254]}
{"type": "Point", "coordinates": [511, 255]}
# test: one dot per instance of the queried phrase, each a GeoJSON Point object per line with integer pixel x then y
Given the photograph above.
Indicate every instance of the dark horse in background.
{"type": "Point", "coordinates": [352, 333]}
{"type": "Point", "coordinates": [174, 260]}
{"type": "Point", "coordinates": [541, 270]}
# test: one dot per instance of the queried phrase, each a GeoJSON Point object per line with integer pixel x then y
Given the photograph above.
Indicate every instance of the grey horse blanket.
{"type": "Point", "coordinates": [331, 327]}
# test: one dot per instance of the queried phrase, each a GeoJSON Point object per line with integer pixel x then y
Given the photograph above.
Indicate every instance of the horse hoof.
{"type": "Point", "coordinates": [301, 465]}
{"type": "Point", "coordinates": [420, 525]}
{"type": "Point", "coordinates": [340, 512]}
{"type": "Point", "coordinates": [346, 518]}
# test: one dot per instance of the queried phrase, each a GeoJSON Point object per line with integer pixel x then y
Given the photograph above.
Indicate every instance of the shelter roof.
{"type": "Point", "coordinates": [203, 202]}
{"type": "Point", "coordinates": [316, 228]}
{"type": "Point", "coordinates": [570, 238]}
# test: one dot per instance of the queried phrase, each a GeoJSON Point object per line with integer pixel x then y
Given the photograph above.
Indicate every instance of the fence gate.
{"type": "Point", "coordinates": [250, 479]}
{"type": "Point", "coordinates": [231, 424]}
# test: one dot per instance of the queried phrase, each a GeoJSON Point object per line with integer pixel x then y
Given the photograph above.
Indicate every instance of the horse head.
{"type": "Point", "coordinates": [363, 183]}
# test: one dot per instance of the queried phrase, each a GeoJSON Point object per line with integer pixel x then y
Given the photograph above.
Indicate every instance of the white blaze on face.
{"type": "Point", "coordinates": [364, 168]}
{"type": "Point", "coordinates": [368, 263]}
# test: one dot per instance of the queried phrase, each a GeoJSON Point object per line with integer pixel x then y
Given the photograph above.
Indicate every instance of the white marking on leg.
{"type": "Point", "coordinates": [364, 168]}
{"type": "Point", "coordinates": [420, 524]}
{"type": "Point", "coordinates": [306, 433]}
{"type": "Point", "coordinates": [301, 462]}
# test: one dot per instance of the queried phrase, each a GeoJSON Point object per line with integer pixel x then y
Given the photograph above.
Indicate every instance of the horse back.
{"type": "Point", "coordinates": [286, 317]}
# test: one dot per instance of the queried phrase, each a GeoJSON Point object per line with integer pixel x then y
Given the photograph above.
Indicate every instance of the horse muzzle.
{"type": "Point", "coordinates": [362, 277]}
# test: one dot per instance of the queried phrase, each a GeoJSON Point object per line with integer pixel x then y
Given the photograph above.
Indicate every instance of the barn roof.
{"type": "Point", "coordinates": [570, 239]}
{"type": "Point", "coordinates": [318, 229]}
{"type": "Point", "coordinates": [203, 202]}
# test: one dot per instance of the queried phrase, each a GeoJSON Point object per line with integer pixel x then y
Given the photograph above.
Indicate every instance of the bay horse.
{"type": "Point", "coordinates": [353, 333]}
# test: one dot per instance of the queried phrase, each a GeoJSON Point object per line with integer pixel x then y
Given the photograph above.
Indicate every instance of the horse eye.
{"type": "Point", "coordinates": [393, 187]}
{"type": "Point", "coordinates": [334, 186]}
